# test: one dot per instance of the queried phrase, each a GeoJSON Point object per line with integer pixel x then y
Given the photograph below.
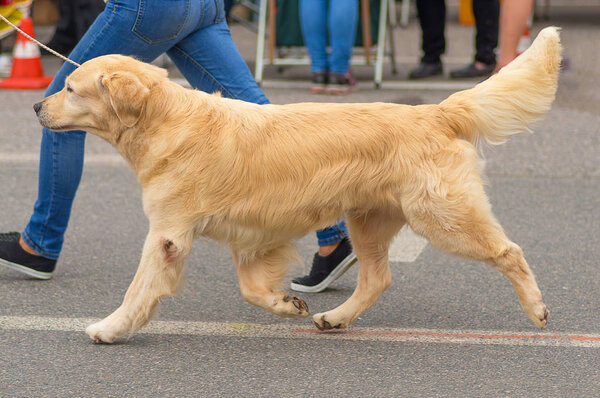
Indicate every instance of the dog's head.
{"type": "Point", "coordinates": [102, 96]}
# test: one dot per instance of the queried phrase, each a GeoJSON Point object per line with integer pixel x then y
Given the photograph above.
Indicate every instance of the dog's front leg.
{"type": "Point", "coordinates": [371, 237]}
{"type": "Point", "coordinates": [260, 282]}
{"type": "Point", "coordinates": [158, 275]}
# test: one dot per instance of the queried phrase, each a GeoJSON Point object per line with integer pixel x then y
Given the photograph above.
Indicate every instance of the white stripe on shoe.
{"type": "Point", "coordinates": [26, 270]}
{"type": "Point", "coordinates": [407, 246]}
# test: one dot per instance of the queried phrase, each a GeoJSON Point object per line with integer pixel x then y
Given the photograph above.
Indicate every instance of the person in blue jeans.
{"type": "Point", "coordinates": [333, 22]}
{"type": "Point", "coordinates": [196, 37]}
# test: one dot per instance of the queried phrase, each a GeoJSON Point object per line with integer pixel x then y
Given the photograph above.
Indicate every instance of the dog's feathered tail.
{"type": "Point", "coordinates": [508, 102]}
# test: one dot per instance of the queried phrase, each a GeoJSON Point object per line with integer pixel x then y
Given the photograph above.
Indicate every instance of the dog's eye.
{"type": "Point", "coordinates": [69, 89]}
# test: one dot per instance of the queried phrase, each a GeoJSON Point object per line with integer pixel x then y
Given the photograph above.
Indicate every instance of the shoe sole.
{"type": "Point", "coordinates": [438, 74]}
{"type": "Point", "coordinates": [340, 90]}
{"type": "Point", "coordinates": [335, 274]}
{"type": "Point", "coordinates": [318, 89]}
{"type": "Point", "coordinates": [25, 270]}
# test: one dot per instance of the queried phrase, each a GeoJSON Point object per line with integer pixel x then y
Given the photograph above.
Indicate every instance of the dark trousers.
{"type": "Point", "coordinates": [432, 17]}
{"type": "Point", "coordinates": [76, 16]}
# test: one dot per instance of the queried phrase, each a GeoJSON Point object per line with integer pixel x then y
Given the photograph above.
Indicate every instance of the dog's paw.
{"type": "Point", "coordinates": [292, 306]}
{"type": "Point", "coordinates": [540, 316]}
{"type": "Point", "coordinates": [102, 332]}
{"type": "Point", "coordinates": [537, 311]}
{"type": "Point", "coordinates": [325, 321]}
{"type": "Point", "coordinates": [300, 305]}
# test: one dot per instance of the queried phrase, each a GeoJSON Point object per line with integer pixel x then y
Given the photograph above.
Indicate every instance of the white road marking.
{"type": "Point", "coordinates": [407, 246]}
{"type": "Point", "coordinates": [286, 331]}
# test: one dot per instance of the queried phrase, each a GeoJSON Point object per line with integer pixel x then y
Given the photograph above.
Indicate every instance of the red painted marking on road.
{"type": "Point", "coordinates": [584, 338]}
{"type": "Point", "coordinates": [450, 335]}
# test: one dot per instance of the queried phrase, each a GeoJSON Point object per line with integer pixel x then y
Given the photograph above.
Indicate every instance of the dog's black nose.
{"type": "Point", "coordinates": [37, 107]}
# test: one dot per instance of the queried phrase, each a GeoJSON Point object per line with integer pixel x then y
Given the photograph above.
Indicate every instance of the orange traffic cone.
{"type": "Point", "coordinates": [27, 72]}
{"type": "Point", "coordinates": [465, 12]}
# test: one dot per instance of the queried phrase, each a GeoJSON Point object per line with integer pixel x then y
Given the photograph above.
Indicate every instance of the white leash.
{"type": "Point", "coordinates": [38, 43]}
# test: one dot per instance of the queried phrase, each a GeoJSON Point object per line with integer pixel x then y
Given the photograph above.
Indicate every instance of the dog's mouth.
{"type": "Point", "coordinates": [61, 128]}
{"type": "Point", "coordinates": [57, 127]}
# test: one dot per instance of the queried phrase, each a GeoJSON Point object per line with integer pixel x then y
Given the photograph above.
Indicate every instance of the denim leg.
{"type": "Point", "coordinates": [210, 61]}
{"type": "Point", "coordinates": [332, 234]}
{"type": "Point", "coordinates": [313, 21]}
{"type": "Point", "coordinates": [343, 19]}
{"type": "Point", "coordinates": [61, 165]}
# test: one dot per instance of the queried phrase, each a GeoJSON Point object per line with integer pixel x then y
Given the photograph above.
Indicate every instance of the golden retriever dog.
{"type": "Point", "coordinates": [256, 177]}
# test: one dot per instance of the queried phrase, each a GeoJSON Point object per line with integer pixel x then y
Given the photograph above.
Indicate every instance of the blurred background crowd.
{"type": "Point", "coordinates": [337, 39]}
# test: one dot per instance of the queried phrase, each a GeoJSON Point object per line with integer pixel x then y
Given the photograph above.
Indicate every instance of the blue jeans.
{"type": "Point", "coordinates": [195, 36]}
{"type": "Point", "coordinates": [333, 233]}
{"type": "Point", "coordinates": [332, 21]}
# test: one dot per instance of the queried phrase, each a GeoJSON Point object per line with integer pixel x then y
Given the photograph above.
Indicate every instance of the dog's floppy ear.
{"type": "Point", "coordinates": [127, 95]}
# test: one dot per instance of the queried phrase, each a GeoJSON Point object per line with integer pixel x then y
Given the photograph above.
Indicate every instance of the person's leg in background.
{"type": "Point", "coordinates": [76, 16]}
{"type": "Point", "coordinates": [432, 18]}
{"type": "Point", "coordinates": [86, 13]}
{"type": "Point", "coordinates": [228, 7]}
{"type": "Point", "coordinates": [313, 22]}
{"type": "Point", "coordinates": [63, 37]}
{"type": "Point", "coordinates": [487, 19]}
{"type": "Point", "coordinates": [342, 23]}
{"type": "Point", "coordinates": [487, 14]}
{"type": "Point", "coordinates": [514, 15]}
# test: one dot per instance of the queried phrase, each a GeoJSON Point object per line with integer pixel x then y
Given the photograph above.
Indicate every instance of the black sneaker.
{"type": "Point", "coordinates": [326, 269]}
{"type": "Point", "coordinates": [319, 82]}
{"type": "Point", "coordinates": [13, 256]}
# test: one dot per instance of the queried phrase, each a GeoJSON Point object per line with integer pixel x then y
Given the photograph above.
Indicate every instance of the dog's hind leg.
{"type": "Point", "coordinates": [260, 282]}
{"type": "Point", "coordinates": [461, 222]}
{"type": "Point", "coordinates": [371, 234]}
{"type": "Point", "coordinates": [158, 275]}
